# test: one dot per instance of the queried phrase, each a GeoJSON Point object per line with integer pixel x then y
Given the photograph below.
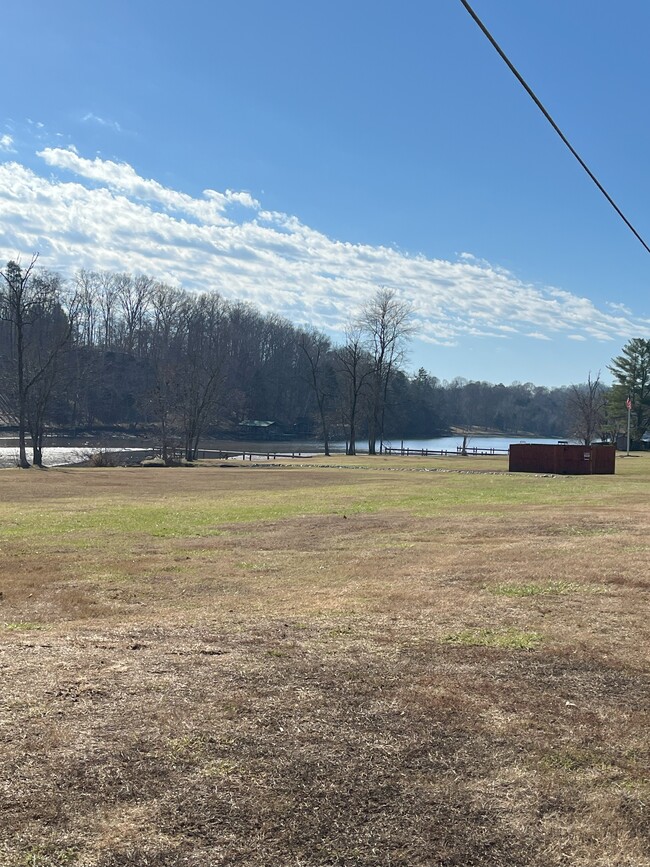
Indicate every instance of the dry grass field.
{"type": "Point", "coordinates": [375, 662]}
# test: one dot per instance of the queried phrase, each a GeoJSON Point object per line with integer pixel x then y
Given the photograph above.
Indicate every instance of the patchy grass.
{"type": "Point", "coordinates": [512, 639]}
{"type": "Point", "coordinates": [23, 625]}
{"type": "Point", "coordinates": [576, 760]}
{"type": "Point", "coordinates": [48, 856]}
{"type": "Point", "coordinates": [301, 665]}
{"type": "Point", "coordinates": [551, 588]}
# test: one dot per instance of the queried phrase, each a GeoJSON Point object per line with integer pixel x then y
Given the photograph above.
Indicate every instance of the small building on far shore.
{"type": "Point", "coordinates": [258, 429]}
{"type": "Point", "coordinates": [562, 459]}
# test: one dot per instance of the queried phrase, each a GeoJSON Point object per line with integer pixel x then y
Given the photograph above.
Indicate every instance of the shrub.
{"type": "Point", "coordinates": [103, 458]}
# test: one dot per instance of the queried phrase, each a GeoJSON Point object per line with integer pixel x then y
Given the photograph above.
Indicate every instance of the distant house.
{"type": "Point", "coordinates": [302, 427]}
{"type": "Point", "coordinates": [258, 430]}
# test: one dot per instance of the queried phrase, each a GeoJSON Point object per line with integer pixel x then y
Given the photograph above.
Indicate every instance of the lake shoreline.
{"type": "Point", "coordinates": [133, 449]}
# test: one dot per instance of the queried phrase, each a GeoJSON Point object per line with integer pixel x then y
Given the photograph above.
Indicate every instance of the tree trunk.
{"type": "Point", "coordinates": [22, 397]}
{"type": "Point", "coordinates": [372, 436]}
{"type": "Point", "coordinates": [23, 463]}
{"type": "Point", "coordinates": [164, 446]}
{"type": "Point", "coordinates": [352, 444]}
{"type": "Point", "coordinates": [323, 421]}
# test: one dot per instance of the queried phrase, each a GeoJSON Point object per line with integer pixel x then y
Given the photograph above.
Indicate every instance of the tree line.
{"type": "Point", "coordinates": [118, 350]}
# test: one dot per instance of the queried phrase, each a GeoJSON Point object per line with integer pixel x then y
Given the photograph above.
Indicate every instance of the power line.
{"type": "Point", "coordinates": [548, 117]}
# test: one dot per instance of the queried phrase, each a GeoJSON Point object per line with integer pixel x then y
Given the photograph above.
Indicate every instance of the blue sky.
{"type": "Point", "coordinates": [300, 154]}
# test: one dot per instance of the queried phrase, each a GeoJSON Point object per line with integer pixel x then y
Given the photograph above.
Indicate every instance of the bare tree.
{"type": "Point", "coordinates": [86, 284]}
{"type": "Point", "coordinates": [167, 342]}
{"type": "Point", "coordinates": [354, 371]}
{"type": "Point", "coordinates": [40, 328]}
{"type": "Point", "coordinates": [202, 370]}
{"type": "Point", "coordinates": [49, 344]}
{"type": "Point", "coordinates": [316, 347]}
{"type": "Point", "coordinates": [387, 325]}
{"type": "Point", "coordinates": [17, 307]}
{"type": "Point", "coordinates": [134, 297]}
{"type": "Point", "coordinates": [107, 298]}
{"type": "Point", "coordinates": [587, 409]}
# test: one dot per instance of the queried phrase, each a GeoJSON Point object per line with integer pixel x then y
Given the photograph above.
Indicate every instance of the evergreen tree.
{"type": "Point", "coordinates": [631, 371]}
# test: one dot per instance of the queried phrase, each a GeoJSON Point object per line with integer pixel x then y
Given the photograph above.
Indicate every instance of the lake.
{"type": "Point", "coordinates": [453, 443]}
{"type": "Point", "coordinates": [64, 455]}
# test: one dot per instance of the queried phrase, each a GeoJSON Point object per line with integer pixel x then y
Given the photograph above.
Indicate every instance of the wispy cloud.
{"type": "Point", "coordinates": [91, 117]}
{"type": "Point", "coordinates": [615, 305]}
{"type": "Point", "coordinates": [102, 214]}
{"type": "Point", "coordinates": [7, 143]}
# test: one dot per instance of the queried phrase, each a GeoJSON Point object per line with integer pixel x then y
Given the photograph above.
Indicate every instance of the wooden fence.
{"type": "Point", "coordinates": [222, 455]}
{"type": "Point", "coordinates": [475, 451]}
{"type": "Point", "coordinates": [430, 453]}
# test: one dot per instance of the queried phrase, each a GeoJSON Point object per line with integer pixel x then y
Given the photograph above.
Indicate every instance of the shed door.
{"type": "Point", "coordinates": [577, 460]}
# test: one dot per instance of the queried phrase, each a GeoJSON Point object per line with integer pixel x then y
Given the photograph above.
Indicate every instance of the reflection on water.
{"type": "Point", "coordinates": [54, 456]}
{"type": "Point", "coordinates": [453, 443]}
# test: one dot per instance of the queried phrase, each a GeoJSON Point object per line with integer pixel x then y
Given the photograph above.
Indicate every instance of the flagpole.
{"type": "Point", "coordinates": [629, 410]}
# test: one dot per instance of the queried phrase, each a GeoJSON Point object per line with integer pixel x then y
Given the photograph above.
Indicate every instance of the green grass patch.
{"type": "Point", "coordinates": [552, 588]}
{"type": "Point", "coordinates": [509, 639]}
{"type": "Point", "coordinates": [23, 625]}
{"type": "Point", "coordinates": [175, 515]}
{"type": "Point", "coordinates": [574, 760]}
{"type": "Point", "coordinates": [341, 630]}
{"type": "Point", "coordinates": [111, 577]}
{"type": "Point", "coordinates": [46, 856]}
{"type": "Point", "coordinates": [589, 531]}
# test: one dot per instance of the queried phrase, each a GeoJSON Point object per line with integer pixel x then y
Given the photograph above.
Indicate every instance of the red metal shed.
{"type": "Point", "coordinates": [562, 459]}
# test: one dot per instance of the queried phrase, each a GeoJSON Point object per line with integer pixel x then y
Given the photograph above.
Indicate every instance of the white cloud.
{"type": "Point", "coordinates": [121, 177]}
{"type": "Point", "coordinates": [102, 214]}
{"type": "Point", "coordinates": [7, 143]}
